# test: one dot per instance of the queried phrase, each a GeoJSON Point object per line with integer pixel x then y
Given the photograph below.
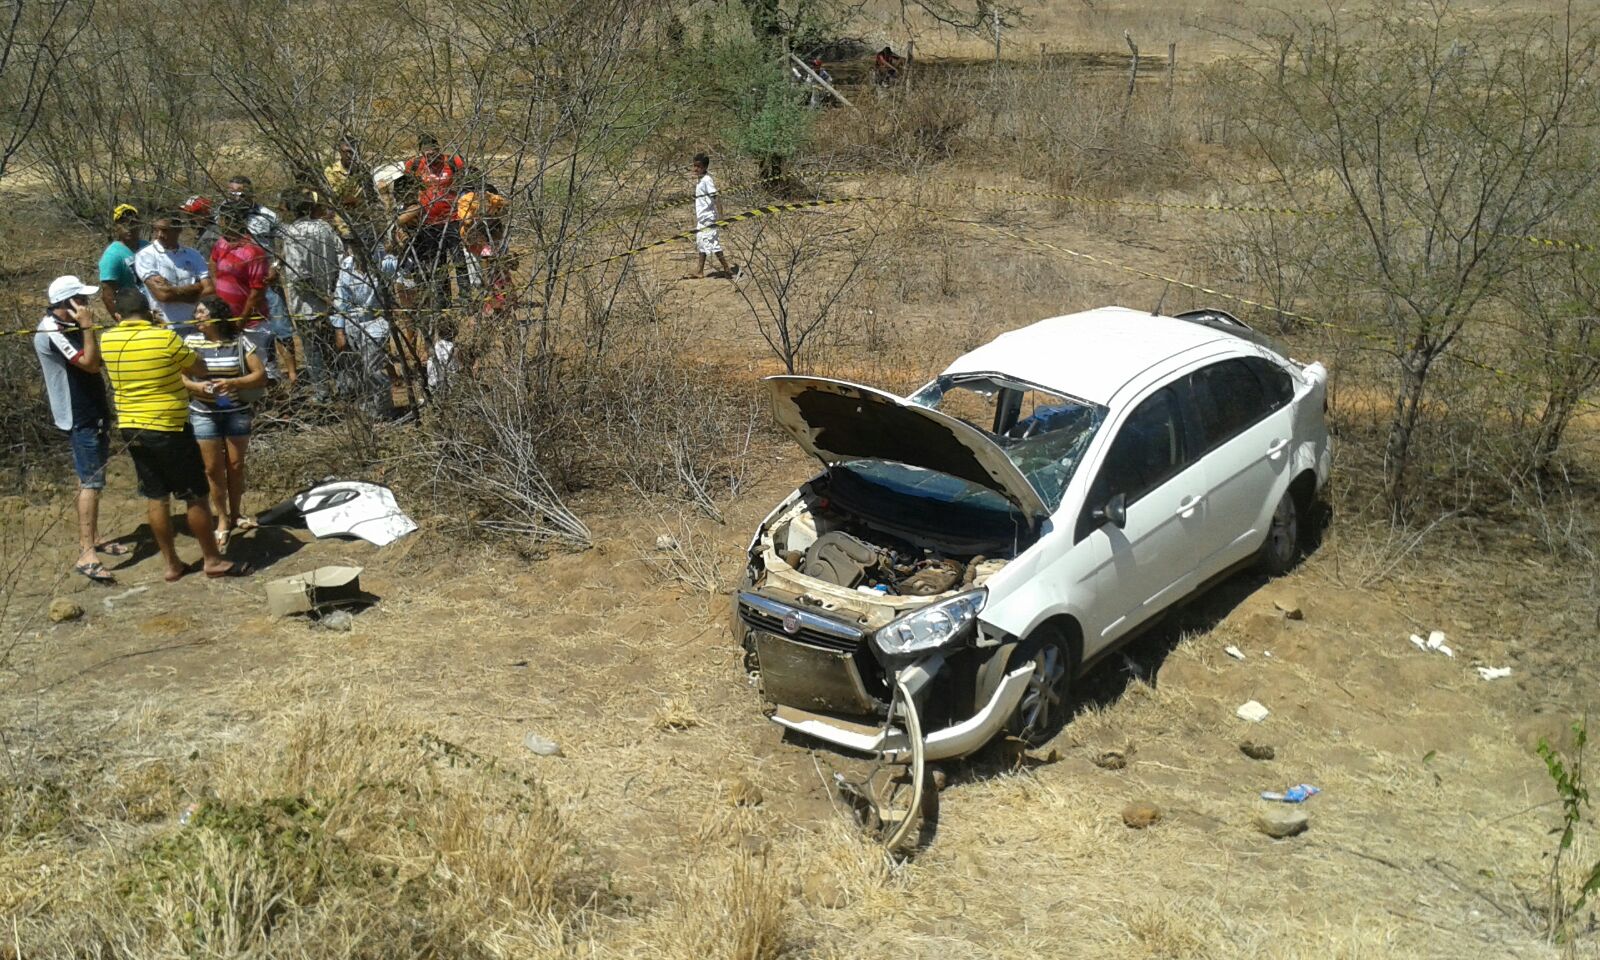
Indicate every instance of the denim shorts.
{"type": "Point", "coordinates": [217, 424]}
{"type": "Point", "coordinates": [278, 317]}
{"type": "Point", "coordinates": [91, 448]}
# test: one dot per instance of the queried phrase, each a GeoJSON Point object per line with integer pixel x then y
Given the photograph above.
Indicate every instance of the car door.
{"type": "Point", "coordinates": [1242, 409]}
{"type": "Point", "coordinates": [1133, 570]}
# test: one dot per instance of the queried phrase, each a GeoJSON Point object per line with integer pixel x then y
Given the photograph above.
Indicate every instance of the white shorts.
{"type": "Point", "coordinates": [705, 241]}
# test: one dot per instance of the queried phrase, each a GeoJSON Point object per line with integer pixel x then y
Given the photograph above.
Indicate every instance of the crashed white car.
{"type": "Point", "coordinates": [972, 548]}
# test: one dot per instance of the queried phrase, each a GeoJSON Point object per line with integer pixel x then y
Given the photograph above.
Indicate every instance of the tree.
{"type": "Point", "coordinates": [1446, 142]}
{"type": "Point", "coordinates": [35, 36]}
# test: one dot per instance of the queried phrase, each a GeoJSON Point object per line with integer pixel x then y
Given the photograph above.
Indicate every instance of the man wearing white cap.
{"type": "Point", "coordinates": [69, 357]}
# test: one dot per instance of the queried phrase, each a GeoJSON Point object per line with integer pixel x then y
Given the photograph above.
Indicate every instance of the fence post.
{"type": "Point", "coordinates": [1133, 64]}
{"type": "Point", "coordinates": [1172, 68]}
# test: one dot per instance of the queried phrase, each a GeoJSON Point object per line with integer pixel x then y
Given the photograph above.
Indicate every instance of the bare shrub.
{"type": "Point", "coordinates": [683, 554]}
{"type": "Point", "coordinates": [799, 276]}
{"type": "Point", "coordinates": [1436, 225]}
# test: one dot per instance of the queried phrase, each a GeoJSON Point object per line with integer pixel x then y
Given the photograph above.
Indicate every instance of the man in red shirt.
{"type": "Point", "coordinates": [437, 240]}
{"type": "Point", "coordinates": [242, 269]}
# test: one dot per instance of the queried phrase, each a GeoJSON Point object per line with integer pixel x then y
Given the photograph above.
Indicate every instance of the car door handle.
{"type": "Point", "coordinates": [1187, 506]}
{"type": "Point", "coordinates": [1276, 448]}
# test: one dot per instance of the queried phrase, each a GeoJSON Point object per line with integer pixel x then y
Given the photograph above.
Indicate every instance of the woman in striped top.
{"type": "Point", "coordinates": [219, 407]}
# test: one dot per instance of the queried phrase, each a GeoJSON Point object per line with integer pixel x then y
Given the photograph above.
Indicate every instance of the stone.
{"type": "Point", "coordinates": [542, 746]}
{"type": "Point", "coordinates": [62, 610]}
{"type": "Point", "coordinates": [1141, 814]}
{"type": "Point", "coordinates": [1292, 609]}
{"type": "Point", "coordinates": [1280, 820]}
{"type": "Point", "coordinates": [1111, 760]}
{"type": "Point", "coordinates": [337, 620]}
{"type": "Point", "coordinates": [666, 543]}
{"type": "Point", "coordinates": [1257, 751]}
{"type": "Point", "coordinates": [743, 792]}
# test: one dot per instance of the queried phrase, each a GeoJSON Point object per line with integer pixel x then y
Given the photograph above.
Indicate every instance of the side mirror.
{"type": "Point", "coordinates": [1115, 512]}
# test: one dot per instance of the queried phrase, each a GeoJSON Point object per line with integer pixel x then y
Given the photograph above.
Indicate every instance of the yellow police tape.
{"type": "Point", "coordinates": [777, 209]}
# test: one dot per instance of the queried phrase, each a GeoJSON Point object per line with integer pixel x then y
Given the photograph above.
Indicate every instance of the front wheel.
{"type": "Point", "coordinates": [1044, 706]}
{"type": "Point", "coordinates": [1282, 547]}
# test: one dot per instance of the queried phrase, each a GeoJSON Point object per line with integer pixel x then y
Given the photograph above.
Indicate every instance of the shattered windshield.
{"type": "Point", "coordinates": [1042, 433]}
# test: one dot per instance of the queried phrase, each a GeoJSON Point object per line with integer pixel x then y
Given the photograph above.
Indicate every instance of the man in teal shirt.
{"type": "Point", "coordinates": [116, 263]}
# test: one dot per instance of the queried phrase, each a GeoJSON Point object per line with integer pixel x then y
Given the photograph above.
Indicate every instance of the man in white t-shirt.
{"type": "Point", "coordinates": [707, 211]}
{"type": "Point", "coordinates": [175, 277]}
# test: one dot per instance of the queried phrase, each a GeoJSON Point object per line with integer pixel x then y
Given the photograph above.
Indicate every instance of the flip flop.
{"type": "Point", "coordinates": [113, 549]}
{"type": "Point", "coordinates": [242, 524]}
{"type": "Point", "coordinates": [96, 572]}
{"type": "Point", "coordinates": [223, 536]}
{"type": "Point", "coordinates": [237, 568]}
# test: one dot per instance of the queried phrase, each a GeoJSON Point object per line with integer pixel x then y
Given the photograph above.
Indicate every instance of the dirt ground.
{"type": "Point", "coordinates": [1429, 838]}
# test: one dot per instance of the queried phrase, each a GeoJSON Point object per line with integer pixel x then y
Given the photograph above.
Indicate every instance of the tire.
{"type": "Point", "coordinates": [1047, 701]}
{"type": "Point", "coordinates": [1281, 549]}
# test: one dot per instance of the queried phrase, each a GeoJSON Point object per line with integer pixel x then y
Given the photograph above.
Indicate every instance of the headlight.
{"type": "Point", "coordinates": [931, 627]}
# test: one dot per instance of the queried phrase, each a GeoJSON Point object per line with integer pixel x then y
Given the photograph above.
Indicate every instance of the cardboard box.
{"type": "Point", "coordinates": [315, 590]}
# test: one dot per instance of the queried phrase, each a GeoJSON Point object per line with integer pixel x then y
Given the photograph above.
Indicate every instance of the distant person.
{"type": "Point", "coordinates": [263, 225]}
{"type": "Point", "coordinates": [442, 359]}
{"type": "Point", "coordinates": [481, 213]}
{"type": "Point", "coordinates": [311, 249]}
{"type": "Point", "coordinates": [244, 271]}
{"type": "Point", "coordinates": [175, 277]}
{"type": "Point", "coordinates": [146, 364]}
{"type": "Point", "coordinates": [352, 191]}
{"type": "Point", "coordinates": [437, 241]}
{"type": "Point", "coordinates": [69, 358]}
{"type": "Point", "coordinates": [707, 211]}
{"type": "Point", "coordinates": [117, 271]}
{"type": "Point", "coordinates": [886, 66]}
{"type": "Point", "coordinates": [361, 334]}
{"type": "Point", "coordinates": [220, 399]}
{"type": "Point", "coordinates": [202, 219]}
{"type": "Point", "coordinates": [817, 98]}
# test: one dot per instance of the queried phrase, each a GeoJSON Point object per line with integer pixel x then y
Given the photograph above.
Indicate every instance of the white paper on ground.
{"type": "Point", "coordinates": [1251, 711]}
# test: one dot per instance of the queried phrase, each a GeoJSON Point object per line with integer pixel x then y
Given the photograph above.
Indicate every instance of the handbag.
{"type": "Point", "coordinates": [253, 394]}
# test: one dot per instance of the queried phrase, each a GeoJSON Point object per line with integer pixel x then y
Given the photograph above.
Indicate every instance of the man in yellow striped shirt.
{"type": "Point", "coordinates": [146, 363]}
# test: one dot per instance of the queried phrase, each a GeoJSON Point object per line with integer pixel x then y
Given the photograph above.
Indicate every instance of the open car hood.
{"type": "Point", "coordinates": [837, 421]}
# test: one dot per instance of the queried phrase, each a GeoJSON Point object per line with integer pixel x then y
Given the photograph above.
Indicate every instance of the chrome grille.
{"type": "Point", "coordinates": [761, 613]}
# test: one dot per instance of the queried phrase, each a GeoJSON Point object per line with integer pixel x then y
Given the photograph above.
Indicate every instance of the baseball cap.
{"type": "Point", "coordinates": [197, 206]}
{"type": "Point", "coordinates": [67, 287]}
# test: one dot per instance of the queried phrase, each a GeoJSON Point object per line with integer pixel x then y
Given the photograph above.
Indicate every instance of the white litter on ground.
{"type": "Point", "coordinates": [1494, 673]}
{"type": "Point", "coordinates": [1234, 652]}
{"type": "Point", "coordinates": [1251, 711]}
{"type": "Point", "coordinates": [1435, 641]}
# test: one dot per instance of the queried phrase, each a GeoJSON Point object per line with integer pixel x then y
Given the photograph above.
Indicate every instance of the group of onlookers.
{"type": "Point", "coordinates": [315, 305]}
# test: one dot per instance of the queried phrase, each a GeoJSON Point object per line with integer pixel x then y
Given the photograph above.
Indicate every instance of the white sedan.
{"type": "Point", "coordinates": [969, 550]}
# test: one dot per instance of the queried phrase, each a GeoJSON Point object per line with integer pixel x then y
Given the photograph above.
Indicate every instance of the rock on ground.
{"type": "Point", "coordinates": [1279, 820]}
{"type": "Point", "coordinates": [1141, 814]}
{"type": "Point", "coordinates": [62, 610]}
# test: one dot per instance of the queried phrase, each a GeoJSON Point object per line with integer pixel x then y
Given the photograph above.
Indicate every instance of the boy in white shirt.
{"type": "Point", "coordinates": [707, 211]}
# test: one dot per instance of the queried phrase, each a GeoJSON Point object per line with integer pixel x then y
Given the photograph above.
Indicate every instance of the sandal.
{"type": "Point", "coordinates": [244, 523]}
{"type": "Point", "coordinates": [113, 549]}
{"type": "Point", "coordinates": [237, 568]}
{"type": "Point", "coordinates": [96, 572]}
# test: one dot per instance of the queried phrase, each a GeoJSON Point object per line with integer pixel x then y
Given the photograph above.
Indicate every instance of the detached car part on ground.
{"type": "Point", "coordinates": [970, 550]}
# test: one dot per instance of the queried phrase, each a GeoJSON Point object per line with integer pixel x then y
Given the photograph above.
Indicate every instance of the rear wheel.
{"type": "Point", "coordinates": [1045, 703]}
{"type": "Point", "coordinates": [1282, 547]}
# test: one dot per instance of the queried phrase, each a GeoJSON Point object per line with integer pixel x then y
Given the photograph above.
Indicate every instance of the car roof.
{"type": "Point", "coordinates": [1088, 355]}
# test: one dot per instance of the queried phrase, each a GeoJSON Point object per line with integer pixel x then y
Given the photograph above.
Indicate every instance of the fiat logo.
{"type": "Point", "coordinates": [791, 623]}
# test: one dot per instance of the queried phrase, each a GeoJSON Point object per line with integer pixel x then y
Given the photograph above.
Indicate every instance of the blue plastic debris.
{"type": "Point", "coordinates": [1299, 793]}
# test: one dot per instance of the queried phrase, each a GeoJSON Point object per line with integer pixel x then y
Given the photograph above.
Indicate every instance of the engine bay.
{"type": "Point", "coordinates": [822, 542]}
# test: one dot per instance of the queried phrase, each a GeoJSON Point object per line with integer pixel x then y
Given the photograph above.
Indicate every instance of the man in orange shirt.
{"type": "Point", "coordinates": [438, 241]}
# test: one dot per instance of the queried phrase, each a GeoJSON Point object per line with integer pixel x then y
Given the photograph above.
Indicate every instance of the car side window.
{"type": "Point", "coordinates": [1228, 398]}
{"type": "Point", "coordinates": [1275, 380]}
{"type": "Point", "coordinates": [1149, 449]}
